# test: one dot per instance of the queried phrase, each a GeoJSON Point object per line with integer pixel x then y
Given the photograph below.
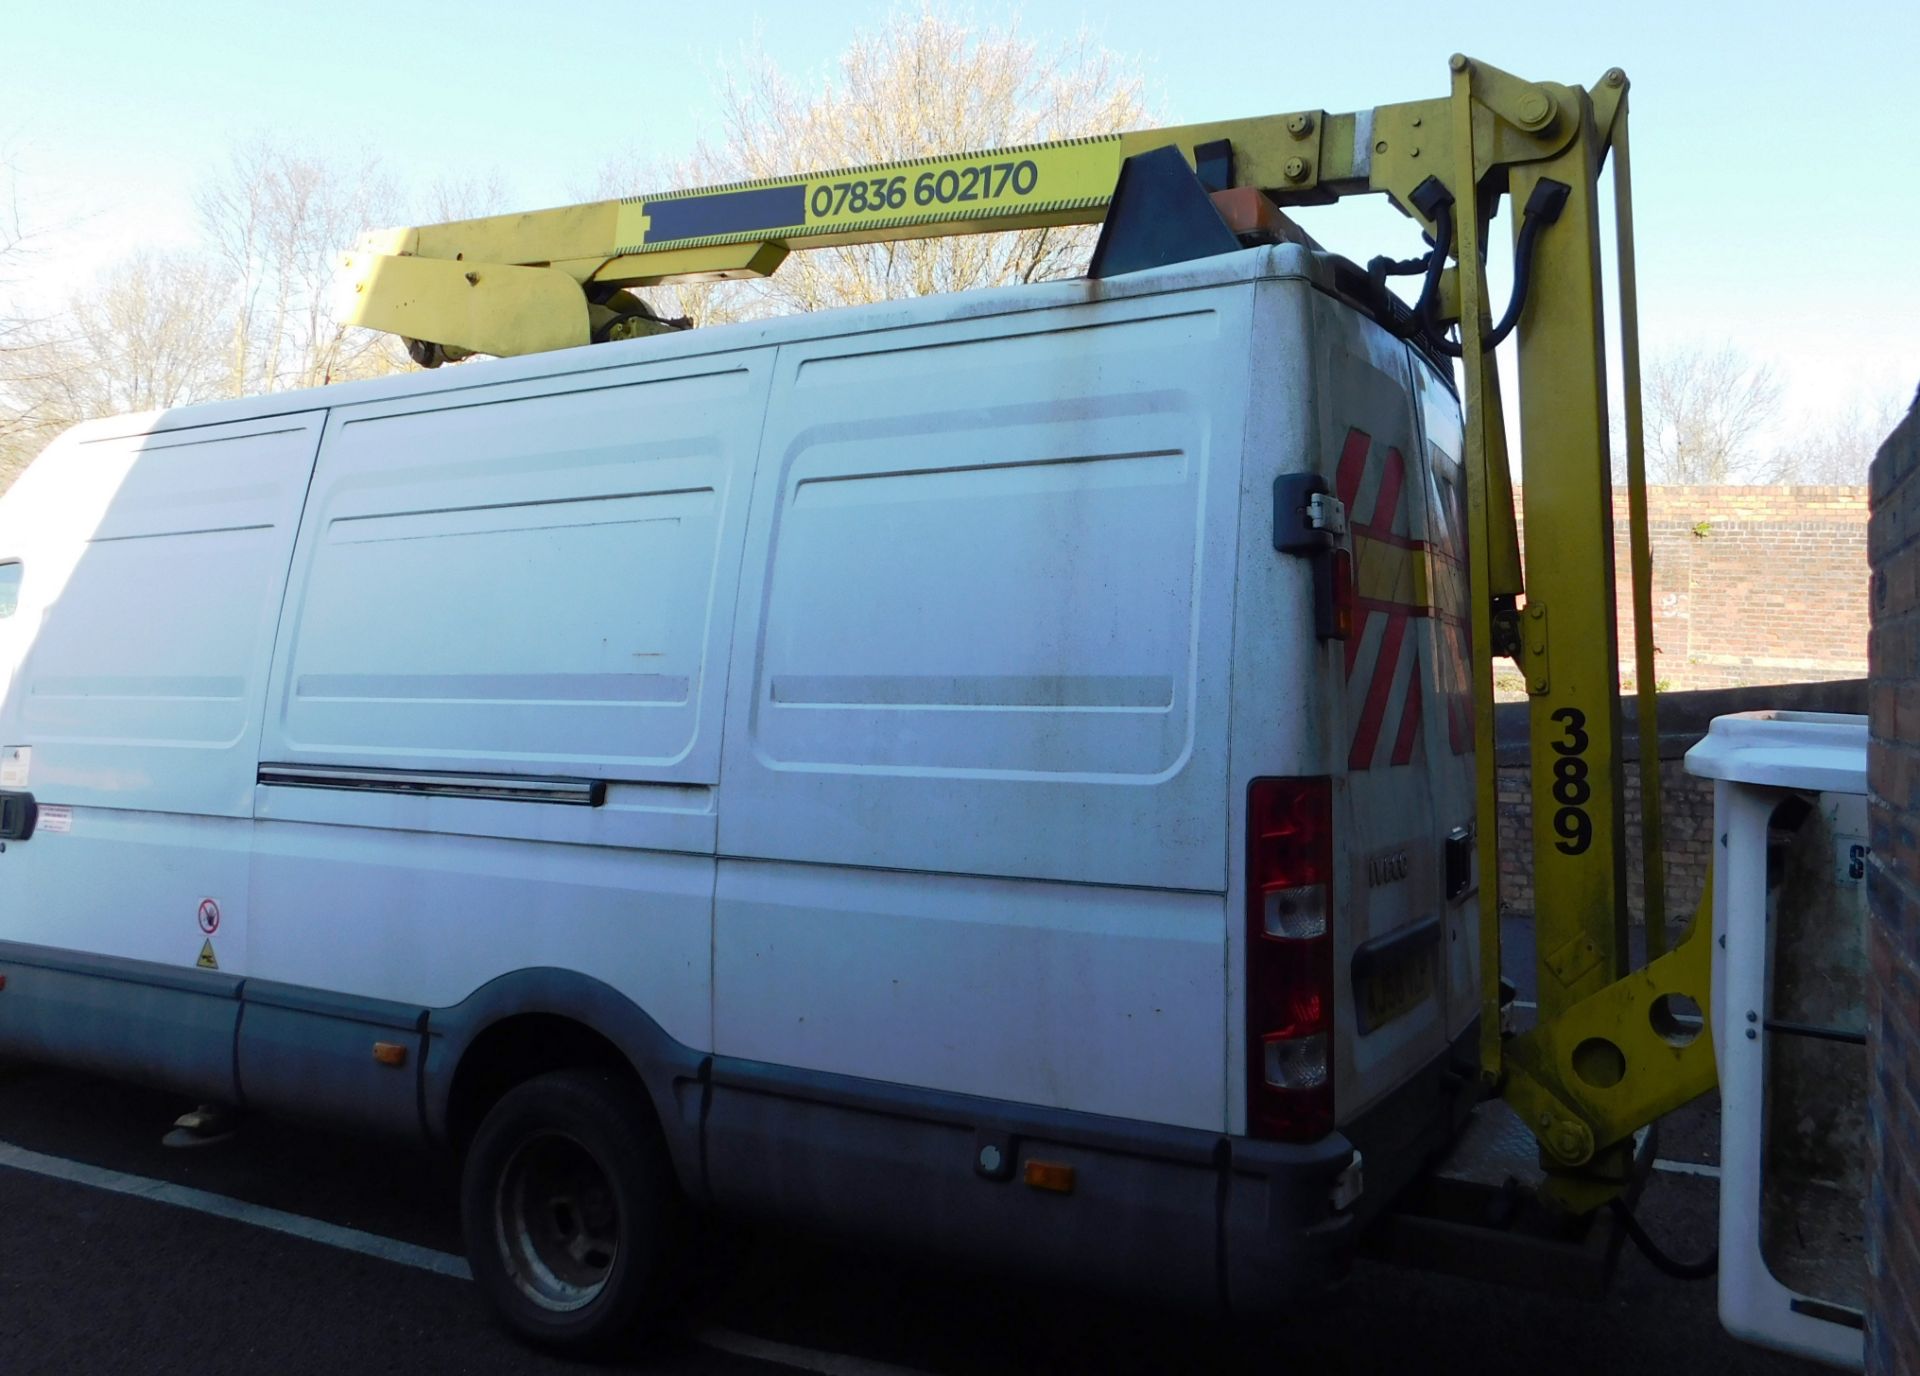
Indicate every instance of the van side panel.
{"type": "Point", "coordinates": [983, 641]}
{"type": "Point", "coordinates": [153, 564]}
{"type": "Point", "coordinates": [493, 726]}
{"type": "Point", "coordinates": [521, 583]}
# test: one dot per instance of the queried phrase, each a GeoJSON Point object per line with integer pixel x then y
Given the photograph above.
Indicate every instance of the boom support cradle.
{"type": "Point", "coordinates": [1607, 1056]}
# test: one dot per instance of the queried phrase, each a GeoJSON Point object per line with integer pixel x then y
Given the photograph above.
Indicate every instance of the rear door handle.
{"type": "Point", "coordinates": [1459, 865]}
{"type": "Point", "coordinates": [18, 813]}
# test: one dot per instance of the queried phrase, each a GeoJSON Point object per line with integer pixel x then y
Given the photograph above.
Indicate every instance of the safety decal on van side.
{"type": "Point", "coordinates": [1390, 588]}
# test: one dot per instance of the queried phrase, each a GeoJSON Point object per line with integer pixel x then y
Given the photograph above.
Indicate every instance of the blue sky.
{"type": "Point", "coordinates": [1777, 190]}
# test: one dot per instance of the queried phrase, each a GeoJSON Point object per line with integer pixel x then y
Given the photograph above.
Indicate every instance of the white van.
{"type": "Point", "coordinates": [987, 774]}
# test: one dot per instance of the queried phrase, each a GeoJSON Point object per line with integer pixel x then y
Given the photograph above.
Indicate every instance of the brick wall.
{"type": "Point", "coordinates": [1893, 895]}
{"type": "Point", "coordinates": [1686, 823]}
{"type": "Point", "coordinates": [1751, 585]}
{"type": "Point", "coordinates": [1686, 802]}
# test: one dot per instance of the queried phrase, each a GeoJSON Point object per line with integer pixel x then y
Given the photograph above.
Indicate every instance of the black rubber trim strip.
{"type": "Point", "coordinates": [1843, 1315]}
{"type": "Point", "coordinates": [212, 983]}
{"type": "Point", "coordinates": [1822, 1034]}
{"type": "Point", "coordinates": [1158, 1141]}
{"type": "Point", "coordinates": [298, 998]}
{"type": "Point", "coordinates": [513, 788]}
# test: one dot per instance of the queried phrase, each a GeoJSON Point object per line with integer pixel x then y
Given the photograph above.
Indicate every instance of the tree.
{"type": "Point", "coordinates": [12, 243]}
{"type": "Point", "coordinates": [21, 431]}
{"type": "Point", "coordinates": [1838, 451]}
{"type": "Point", "coordinates": [149, 335]}
{"type": "Point", "coordinates": [922, 83]}
{"type": "Point", "coordinates": [277, 219]}
{"type": "Point", "coordinates": [1703, 411]}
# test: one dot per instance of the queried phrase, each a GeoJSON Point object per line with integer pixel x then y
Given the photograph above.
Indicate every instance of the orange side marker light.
{"type": "Point", "coordinates": [1050, 1175]}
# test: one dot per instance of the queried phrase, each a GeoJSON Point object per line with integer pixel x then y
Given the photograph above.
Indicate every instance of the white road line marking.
{"type": "Point", "coordinates": [391, 1249]}
{"type": "Point", "coordinates": [1687, 1168]}
{"type": "Point", "coordinates": [802, 1358]}
{"type": "Point", "coordinates": [220, 1206]}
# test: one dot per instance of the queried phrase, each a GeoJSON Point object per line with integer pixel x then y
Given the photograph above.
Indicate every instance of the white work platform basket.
{"type": "Point", "coordinates": [1789, 1021]}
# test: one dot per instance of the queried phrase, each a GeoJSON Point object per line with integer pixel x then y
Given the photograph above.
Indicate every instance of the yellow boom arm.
{"type": "Point", "coordinates": [513, 284]}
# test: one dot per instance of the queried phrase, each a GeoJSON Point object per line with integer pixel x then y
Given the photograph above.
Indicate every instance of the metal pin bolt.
{"type": "Point", "coordinates": [1414, 153]}
{"type": "Point", "coordinates": [1616, 77]}
{"type": "Point", "coordinates": [1752, 1035]}
{"type": "Point", "coordinates": [1416, 121]}
{"type": "Point", "coordinates": [1753, 1017]}
{"type": "Point", "coordinates": [1458, 62]}
{"type": "Point", "coordinates": [1567, 1141]}
{"type": "Point", "coordinates": [1534, 109]}
{"type": "Point", "coordinates": [473, 279]}
{"type": "Point", "coordinates": [1296, 169]}
{"type": "Point", "coordinates": [1300, 125]}
{"type": "Point", "coordinates": [1380, 147]}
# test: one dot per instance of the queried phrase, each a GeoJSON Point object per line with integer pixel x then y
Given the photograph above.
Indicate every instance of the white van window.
{"type": "Point", "coordinates": [9, 588]}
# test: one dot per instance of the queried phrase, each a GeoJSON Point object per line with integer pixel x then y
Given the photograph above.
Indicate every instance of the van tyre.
{"type": "Point", "coordinates": [573, 1219]}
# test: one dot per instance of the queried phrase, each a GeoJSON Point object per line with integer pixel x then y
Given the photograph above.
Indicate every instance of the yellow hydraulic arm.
{"type": "Point", "coordinates": [1608, 1055]}
{"type": "Point", "coordinates": [551, 279]}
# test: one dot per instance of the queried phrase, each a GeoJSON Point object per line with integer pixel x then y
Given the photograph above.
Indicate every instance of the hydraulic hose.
{"type": "Point", "coordinates": [1433, 200]}
{"type": "Point", "coordinates": [1662, 1262]}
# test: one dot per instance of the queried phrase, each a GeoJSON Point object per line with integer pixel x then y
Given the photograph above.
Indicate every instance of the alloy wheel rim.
{"type": "Point", "coordinates": [558, 1222]}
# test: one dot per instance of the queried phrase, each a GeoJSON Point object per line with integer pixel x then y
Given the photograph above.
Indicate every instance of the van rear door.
{"type": "Point", "coordinates": [1390, 977]}
{"type": "Point", "coordinates": [1449, 723]}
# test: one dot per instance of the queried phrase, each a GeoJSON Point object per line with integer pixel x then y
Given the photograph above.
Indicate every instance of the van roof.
{"type": "Point", "coordinates": [1268, 262]}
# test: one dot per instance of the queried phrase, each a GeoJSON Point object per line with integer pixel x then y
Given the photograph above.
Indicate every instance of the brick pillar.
{"type": "Point", "coordinates": [1893, 893]}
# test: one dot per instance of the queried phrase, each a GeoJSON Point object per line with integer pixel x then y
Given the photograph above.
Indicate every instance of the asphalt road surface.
{"type": "Point", "coordinates": [328, 1255]}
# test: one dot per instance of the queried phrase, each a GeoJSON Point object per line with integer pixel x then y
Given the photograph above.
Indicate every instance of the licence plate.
{"type": "Point", "coordinates": [1396, 987]}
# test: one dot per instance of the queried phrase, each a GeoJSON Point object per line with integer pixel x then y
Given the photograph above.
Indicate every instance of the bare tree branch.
{"type": "Point", "coordinates": [277, 218]}
{"type": "Point", "coordinates": [149, 335]}
{"type": "Point", "coordinates": [1837, 450]}
{"type": "Point", "coordinates": [1704, 409]}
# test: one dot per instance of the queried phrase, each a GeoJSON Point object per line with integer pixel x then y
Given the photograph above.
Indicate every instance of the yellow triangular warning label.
{"type": "Point", "coordinates": [206, 961]}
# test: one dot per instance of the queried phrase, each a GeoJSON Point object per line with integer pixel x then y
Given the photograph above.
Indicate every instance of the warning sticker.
{"type": "Point", "coordinates": [207, 961]}
{"type": "Point", "coordinates": [15, 763]}
{"type": "Point", "coordinates": [54, 817]}
{"type": "Point", "coordinates": [209, 917]}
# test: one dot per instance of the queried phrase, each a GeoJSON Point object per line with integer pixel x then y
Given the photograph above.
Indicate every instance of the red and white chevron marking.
{"type": "Point", "coordinates": [1383, 657]}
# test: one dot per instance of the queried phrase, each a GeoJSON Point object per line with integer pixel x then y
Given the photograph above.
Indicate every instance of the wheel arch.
{"type": "Point", "coordinates": [531, 1021]}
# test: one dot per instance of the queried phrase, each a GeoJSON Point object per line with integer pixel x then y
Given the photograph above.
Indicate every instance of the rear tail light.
{"type": "Point", "coordinates": [1290, 959]}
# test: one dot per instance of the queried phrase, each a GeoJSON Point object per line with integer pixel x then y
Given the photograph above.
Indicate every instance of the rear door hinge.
{"type": "Point", "coordinates": [1327, 512]}
{"type": "Point", "coordinates": [1307, 517]}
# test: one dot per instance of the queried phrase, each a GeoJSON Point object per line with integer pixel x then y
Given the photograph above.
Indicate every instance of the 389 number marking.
{"type": "Point", "coordinates": [951, 185]}
{"type": "Point", "coordinates": [1572, 823]}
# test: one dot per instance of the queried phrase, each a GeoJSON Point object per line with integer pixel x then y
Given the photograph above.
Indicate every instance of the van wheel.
{"type": "Point", "coordinates": [572, 1216]}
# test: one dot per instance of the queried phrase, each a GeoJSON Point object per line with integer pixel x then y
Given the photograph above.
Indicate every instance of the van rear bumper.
{"type": "Point", "coordinates": [1179, 1215]}
{"type": "Point", "coordinates": [1283, 1242]}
